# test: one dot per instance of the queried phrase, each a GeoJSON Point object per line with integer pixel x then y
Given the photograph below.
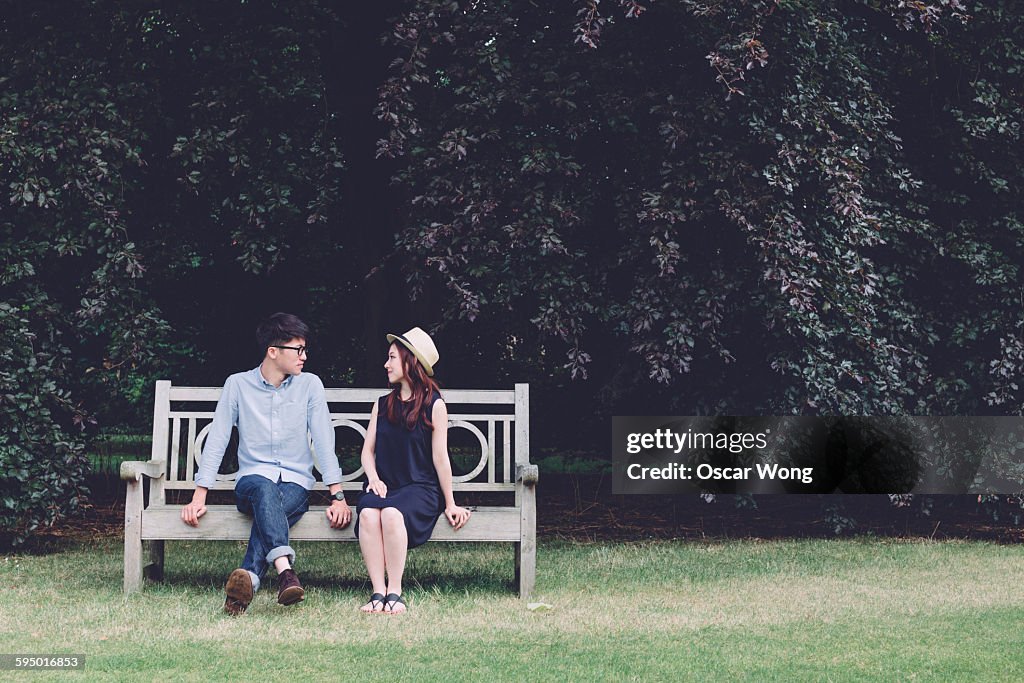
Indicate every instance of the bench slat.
{"type": "Point", "coordinates": [479, 396]}
{"type": "Point", "coordinates": [229, 485]}
{"type": "Point", "coordinates": [225, 523]}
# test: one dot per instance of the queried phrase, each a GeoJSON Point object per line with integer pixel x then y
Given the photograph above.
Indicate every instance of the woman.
{"type": "Point", "coordinates": [409, 476]}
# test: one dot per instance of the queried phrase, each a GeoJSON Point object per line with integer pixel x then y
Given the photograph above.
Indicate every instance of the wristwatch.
{"type": "Point", "coordinates": [340, 495]}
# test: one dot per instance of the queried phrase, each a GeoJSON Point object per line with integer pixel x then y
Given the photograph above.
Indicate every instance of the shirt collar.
{"type": "Point", "coordinates": [263, 380]}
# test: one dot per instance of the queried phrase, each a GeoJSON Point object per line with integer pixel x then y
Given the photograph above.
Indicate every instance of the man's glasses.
{"type": "Point", "coordinates": [299, 350]}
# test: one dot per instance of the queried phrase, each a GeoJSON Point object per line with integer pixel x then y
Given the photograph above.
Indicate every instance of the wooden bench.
{"type": "Point", "coordinates": [499, 419]}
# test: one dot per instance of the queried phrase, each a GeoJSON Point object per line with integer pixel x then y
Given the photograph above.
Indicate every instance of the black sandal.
{"type": "Point", "coordinates": [375, 598]}
{"type": "Point", "coordinates": [391, 600]}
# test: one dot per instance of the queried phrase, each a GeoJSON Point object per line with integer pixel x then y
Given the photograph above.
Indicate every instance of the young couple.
{"type": "Point", "coordinates": [276, 408]}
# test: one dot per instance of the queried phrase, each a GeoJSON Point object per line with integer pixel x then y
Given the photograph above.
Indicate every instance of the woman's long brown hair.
{"type": "Point", "coordinates": [423, 386]}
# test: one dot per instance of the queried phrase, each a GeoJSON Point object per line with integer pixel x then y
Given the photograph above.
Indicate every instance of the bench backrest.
{"type": "Point", "coordinates": [497, 418]}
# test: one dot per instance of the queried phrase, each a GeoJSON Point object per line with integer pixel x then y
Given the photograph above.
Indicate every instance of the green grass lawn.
{"type": "Point", "coordinates": [829, 610]}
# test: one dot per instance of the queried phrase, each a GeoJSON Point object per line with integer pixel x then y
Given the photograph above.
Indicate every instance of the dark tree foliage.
{"type": "Point", "coordinates": [735, 207]}
{"type": "Point", "coordinates": [773, 206]}
{"type": "Point", "coordinates": [70, 272]}
{"type": "Point", "coordinates": [159, 164]}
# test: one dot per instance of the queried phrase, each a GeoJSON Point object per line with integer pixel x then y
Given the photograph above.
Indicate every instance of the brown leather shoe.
{"type": "Point", "coordinates": [239, 592]}
{"type": "Point", "coordinates": [289, 590]}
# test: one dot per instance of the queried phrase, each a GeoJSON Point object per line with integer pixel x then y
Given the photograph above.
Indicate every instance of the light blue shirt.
{"type": "Point", "coordinates": [274, 427]}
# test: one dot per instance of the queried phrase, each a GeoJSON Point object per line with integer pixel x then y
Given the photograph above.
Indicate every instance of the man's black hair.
{"type": "Point", "coordinates": [280, 328]}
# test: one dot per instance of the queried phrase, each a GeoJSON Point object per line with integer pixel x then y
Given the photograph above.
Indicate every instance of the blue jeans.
{"type": "Point", "coordinates": [274, 506]}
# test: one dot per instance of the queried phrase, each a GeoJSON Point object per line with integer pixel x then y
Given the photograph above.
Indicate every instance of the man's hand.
{"type": "Point", "coordinates": [191, 513]}
{"type": "Point", "coordinates": [339, 514]}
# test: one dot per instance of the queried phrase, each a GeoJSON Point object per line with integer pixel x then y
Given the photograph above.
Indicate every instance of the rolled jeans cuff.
{"type": "Point", "coordinates": [281, 551]}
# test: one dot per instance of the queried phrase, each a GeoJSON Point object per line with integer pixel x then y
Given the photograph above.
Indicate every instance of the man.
{"type": "Point", "coordinates": [274, 406]}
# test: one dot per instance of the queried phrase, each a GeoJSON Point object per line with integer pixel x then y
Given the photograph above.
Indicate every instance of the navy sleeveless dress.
{"type": "Point", "coordinates": [405, 463]}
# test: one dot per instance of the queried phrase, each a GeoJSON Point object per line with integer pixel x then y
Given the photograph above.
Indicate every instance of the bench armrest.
{"type": "Point", "coordinates": [528, 474]}
{"type": "Point", "coordinates": [134, 470]}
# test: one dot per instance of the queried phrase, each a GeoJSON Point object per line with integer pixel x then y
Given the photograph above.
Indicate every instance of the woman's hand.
{"type": "Point", "coordinates": [457, 516]}
{"type": "Point", "coordinates": [378, 487]}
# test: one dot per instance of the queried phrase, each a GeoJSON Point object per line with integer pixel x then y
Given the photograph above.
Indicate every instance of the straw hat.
{"type": "Point", "coordinates": [421, 345]}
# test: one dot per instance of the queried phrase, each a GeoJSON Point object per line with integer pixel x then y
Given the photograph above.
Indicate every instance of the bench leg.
{"type": "Point", "coordinates": [526, 549]}
{"type": "Point", "coordinates": [133, 537]}
{"type": "Point", "coordinates": [519, 561]}
{"type": "Point", "coordinates": [154, 570]}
